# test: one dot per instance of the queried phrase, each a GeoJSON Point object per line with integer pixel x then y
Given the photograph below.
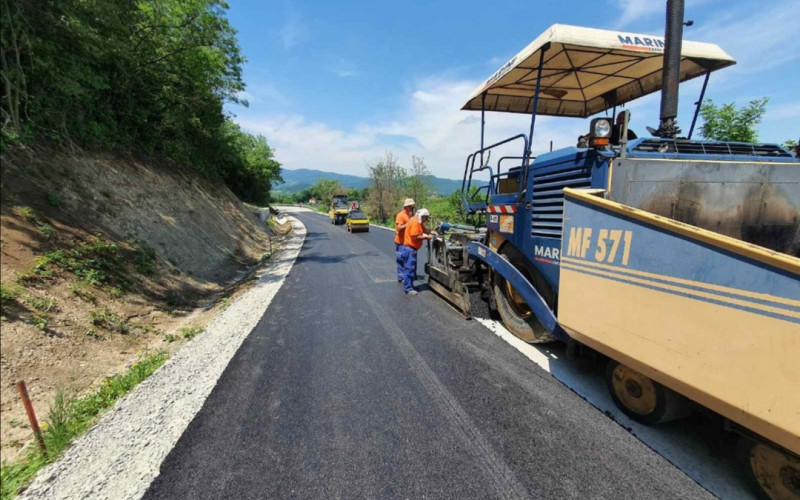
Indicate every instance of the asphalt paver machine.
{"type": "Point", "coordinates": [675, 258]}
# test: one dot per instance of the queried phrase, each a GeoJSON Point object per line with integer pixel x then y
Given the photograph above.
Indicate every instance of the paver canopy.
{"type": "Point", "coordinates": [588, 70]}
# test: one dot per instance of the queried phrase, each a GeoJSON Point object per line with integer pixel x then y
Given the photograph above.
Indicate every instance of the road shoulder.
{"type": "Point", "coordinates": [122, 454]}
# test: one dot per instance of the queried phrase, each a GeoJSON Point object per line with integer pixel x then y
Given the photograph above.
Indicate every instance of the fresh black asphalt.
{"type": "Point", "coordinates": [347, 388]}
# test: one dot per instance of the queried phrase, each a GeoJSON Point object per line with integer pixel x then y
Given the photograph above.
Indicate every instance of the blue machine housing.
{"type": "Point", "coordinates": [541, 207]}
{"type": "Point", "coordinates": [537, 209]}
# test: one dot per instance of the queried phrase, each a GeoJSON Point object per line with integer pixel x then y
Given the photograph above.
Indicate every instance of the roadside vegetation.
{"type": "Point", "coordinates": [70, 417]}
{"type": "Point", "coordinates": [390, 184]}
{"type": "Point", "coordinates": [149, 77]}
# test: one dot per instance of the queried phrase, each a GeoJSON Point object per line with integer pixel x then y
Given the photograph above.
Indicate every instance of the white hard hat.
{"type": "Point", "coordinates": [423, 212]}
{"type": "Point", "coordinates": [408, 202]}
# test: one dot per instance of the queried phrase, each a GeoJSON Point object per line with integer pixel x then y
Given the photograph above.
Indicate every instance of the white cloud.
{"type": "Point", "coordinates": [645, 10]}
{"type": "Point", "coordinates": [341, 67]}
{"type": "Point", "coordinates": [635, 10]}
{"type": "Point", "coordinates": [431, 119]}
{"type": "Point", "coordinates": [294, 31]}
{"type": "Point", "coordinates": [782, 111]}
{"type": "Point", "coordinates": [758, 38]}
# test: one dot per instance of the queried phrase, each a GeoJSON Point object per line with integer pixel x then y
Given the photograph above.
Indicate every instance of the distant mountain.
{"type": "Point", "coordinates": [297, 180]}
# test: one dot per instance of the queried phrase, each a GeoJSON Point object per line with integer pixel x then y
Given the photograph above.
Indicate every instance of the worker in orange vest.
{"type": "Point", "coordinates": [415, 234]}
{"type": "Point", "coordinates": [400, 223]}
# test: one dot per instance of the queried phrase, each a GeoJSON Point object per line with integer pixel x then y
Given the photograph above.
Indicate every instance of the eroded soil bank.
{"type": "Point", "coordinates": [105, 257]}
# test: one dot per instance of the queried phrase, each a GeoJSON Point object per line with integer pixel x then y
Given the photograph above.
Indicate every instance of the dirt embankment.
{"type": "Point", "coordinates": [104, 257]}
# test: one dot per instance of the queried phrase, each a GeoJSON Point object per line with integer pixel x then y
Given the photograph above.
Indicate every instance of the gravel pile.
{"type": "Point", "coordinates": [121, 455]}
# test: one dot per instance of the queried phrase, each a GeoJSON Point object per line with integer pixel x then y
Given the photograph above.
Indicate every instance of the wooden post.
{"type": "Point", "coordinates": [26, 401]}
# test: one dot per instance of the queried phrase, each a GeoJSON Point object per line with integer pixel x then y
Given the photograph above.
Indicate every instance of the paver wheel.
{"type": "Point", "coordinates": [774, 474]}
{"type": "Point", "coordinates": [642, 398]}
{"type": "Point", "coordinates": [514, 311]}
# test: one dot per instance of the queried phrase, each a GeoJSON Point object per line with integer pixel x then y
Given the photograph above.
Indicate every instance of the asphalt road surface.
{"type": "Point", "coordinates": [348, 388]}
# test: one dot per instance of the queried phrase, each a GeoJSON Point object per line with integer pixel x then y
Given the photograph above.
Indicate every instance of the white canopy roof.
{"type": "Point", "coordinates": [588, 70]}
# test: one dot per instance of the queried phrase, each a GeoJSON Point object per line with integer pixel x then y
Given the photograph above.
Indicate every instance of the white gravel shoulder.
{"type": "Point", "coordinates": [121, 455]}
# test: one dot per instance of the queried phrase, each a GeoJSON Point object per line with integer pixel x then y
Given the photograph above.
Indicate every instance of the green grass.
{"type": "Point", "coordinates": [46, 230]}
{"type": "Point", "coordinates": [26, 213]}
{"type": "Point", "coordinates": [93, 261]}
{"type": "Point", "coordinates": [191, 332]}
{"type": "Point", "coordinates": [69, 418]}
{"type": "Point", "coordinates": [44, 304]}
{"type": "Point", "coordinates": [40, 322]}
{"type": "Point", "coordinates": [107, 320]}
{"type": "Point", "coordinates": [144, 260]}
{"type": "Point", "coordinates": [80, 291]}
{"type": "Point", "coordinates": [9, 293]}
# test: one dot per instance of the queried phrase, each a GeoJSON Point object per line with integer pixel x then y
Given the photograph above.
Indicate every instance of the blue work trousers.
{"type": "Point", "coordinates": [409, 257]}
{"type": "Point", "coordinates": [398, 257]}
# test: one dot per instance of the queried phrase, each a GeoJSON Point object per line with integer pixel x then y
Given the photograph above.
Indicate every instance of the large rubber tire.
{"type": "Point", "coordinates": [772, 473]}
{"type": "Point", "coordinates": [514, 312]}
{"type": "Point", "coordinates": [642, 398]}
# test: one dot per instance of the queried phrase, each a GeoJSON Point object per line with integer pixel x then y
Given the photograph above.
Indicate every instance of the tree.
{"type": "Point", "coordinates": [324, 190]}
{"type": "Point", "coordinates": [791, 145]}
{"type": "Point", "coordinates": [417, 183]}
{"type": "Point", "coordinates": [726, 123]}
{"type": "Point", "coordinates": [150, 76]}
{"type": "Point", "coordinates": [385, 178]}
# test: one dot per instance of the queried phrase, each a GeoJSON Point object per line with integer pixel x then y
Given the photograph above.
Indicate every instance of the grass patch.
{"type": "Point", "coordinates": [114, 292]}
{"type": "Point", "coordinates": [44, 304]}
{"type": "Point", "coordinates": [80, 291]}
{"type": "Point", "coordinates": [26, 213]}
{"type": "Point", "coordinates": [191, 331]}
{"type": "Point", "coordinates": [171, 338]}
{"type": "Point", "coordinates": [46, 230]}
{"type": "Point", "coordinates": [144, 259]}
{"type": "Point", "coordinates": [40, 322]}
{"type": "Point", "coordinates": [69, 418]}
{"type": "Point", "coordinates": [107, 320]}
{"type": "Point", "coordinates": [9, 293]}
{"type": "Point", "coordinates": [93, 261]}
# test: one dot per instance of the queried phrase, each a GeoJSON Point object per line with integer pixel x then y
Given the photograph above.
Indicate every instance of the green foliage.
{"type": "Point", "coordinates": [44, 304]}
{"type": "Point", "coordinates": [417, 183]}
{"type": "Point", "coordinates": [191, 331]}
{"type": "Point", "coordinates": [144, 259]}
{"type": "Point", "coordinates": [150, 75]}
{"type": "Point", "coordinates": [107, 320]}
{"type": "Point", "coordinates": [386, 179]}
{"type": "Point", "coordinates": [791, 145]}
{"type": "Point", "coordinates": [94, 261]}
{"type": "Point", "coordinates": [9, 293]}
{"type": "Point", "coordinates": [46, 230]}
{"type": "Point", "coordinates": [39, 322]}
{"type": "Point", "coordinates": [53, 199]}
{"type": "Point", "coordinates": [451, 209]}
{"type": "Point", "coordinates": [727, 123]}
{"type": "Point", "coordinates": [250, 169]}
{"type": "Point", "coordinates": [80, 291]}
{"type": "Point", "coordinates": [69, 418]}
{"type": "Point", "coordinates": [26, 213]}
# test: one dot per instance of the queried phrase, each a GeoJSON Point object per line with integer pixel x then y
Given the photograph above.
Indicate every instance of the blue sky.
{"type": "Point", "coordinates": [334, 85]}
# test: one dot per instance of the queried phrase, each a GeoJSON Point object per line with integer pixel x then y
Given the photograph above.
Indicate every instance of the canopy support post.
{"type": "Point", "coordinates": [527, 155]}
{"type": "Point", "coordinates": [699, 103]}
{"type": "Point", "coordinates": [483, 122]}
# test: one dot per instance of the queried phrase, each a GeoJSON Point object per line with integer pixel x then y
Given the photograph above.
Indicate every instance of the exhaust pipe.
{"type": "Point", "coordinates": [671, 73]}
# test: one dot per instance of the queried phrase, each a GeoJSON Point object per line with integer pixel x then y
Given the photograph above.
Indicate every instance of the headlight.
{"type": "Point", "coordinates": [602, 128]}
{"type": "Point", "coordinates": [599, 133]}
